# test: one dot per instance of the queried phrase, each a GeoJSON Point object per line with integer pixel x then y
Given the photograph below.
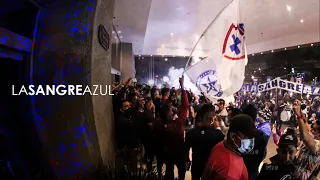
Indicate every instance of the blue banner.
{"type": "Point", "coordinates": [283, 84]}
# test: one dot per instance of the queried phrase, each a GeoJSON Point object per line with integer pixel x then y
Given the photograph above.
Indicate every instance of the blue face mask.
{"type": "Point", "coordinates": [246, 145]}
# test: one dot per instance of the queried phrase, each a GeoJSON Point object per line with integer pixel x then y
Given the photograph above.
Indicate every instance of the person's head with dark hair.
{"type": "Point", "coordinates": [149, 104]}
{"type": "Point", "coordinates": [165, 93]}
{"type": "Point", "coordinates": [316, 127]}
{"type": "Point", "coordinates": [251, 111]}
{"type": "Point", "coordinates": [221, 103]}
{"type": "Point", "coordinates": [147, 92]}
{"type": "Point", "coordinates": [142, 103]}
{"type": "Point", "coordinates": [138, 87]}
{"type": "Point", "coordinates": [232, 112]}
{"type": "Point", "coordinates": [202, 99]}
{"type": "Point", "coordinates": [131, 89]}
{"type": "Point", "coordinates": [166, 113]}
{"type": "Point", "coordinates": [125, 105]}
{"type": "Point", "coordinates": [205, 115]}
{"type": "Point", "coordinates": [132, 97]}
{"type": "Point", "coordinates": [154, 92]}
{"type": "Point", "coordinates": [291, 130]}
{"type": "Point", "coordinates": [241, 134]}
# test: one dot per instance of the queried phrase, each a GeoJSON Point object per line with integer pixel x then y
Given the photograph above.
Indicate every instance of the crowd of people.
{"type": "Point", "coordinates": [228, 141]}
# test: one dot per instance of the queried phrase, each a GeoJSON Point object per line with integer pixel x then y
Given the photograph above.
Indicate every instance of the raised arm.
{"type": "Point", "coordinates": [183, 109]}
{"type": "Point", "coordinates": [305, 136]}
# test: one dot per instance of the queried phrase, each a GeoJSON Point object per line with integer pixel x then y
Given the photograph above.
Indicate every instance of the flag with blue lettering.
{"type": "Point", "coordinates": [221, 73]}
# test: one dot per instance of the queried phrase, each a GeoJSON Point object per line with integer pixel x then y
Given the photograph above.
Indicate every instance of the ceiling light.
{"type": "Point", "coordinates": [151, 55]}
{"type": "Point", "coordinates": [298, 46]}
{"type": "Point", "coordinates": [285, 48]}
{"type": "Point", "coordinates": [171, 34]}
{"type": "Point", "coordinates": [289, 8]}
{"type": "Point", "coordinates": [301, 20]}
{"type": "Point", "coordinates": [121, 37]}
{"type": "Point", "coordinates": [261, 52]}
{"type": "Point", "coordinates": [259, 69]}
{"type": "Point", "coordinates": [139, 55]}
{"type": "Point", "coordinates": [166, 59]}
{"type": "Point", "coordinates": [272, 51]}
{"type": "Point", "coordinates": [252, 54]}
{"type": "Point", "coordinates": [119, 32]}
{"type": "Point", "coordinates": [311, 44]}
{"type": "Point", "coordinates": [184, 56]}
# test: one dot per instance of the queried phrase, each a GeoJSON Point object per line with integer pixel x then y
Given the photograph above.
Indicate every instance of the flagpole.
{"type": "Point", "coordinates": [202, 37]}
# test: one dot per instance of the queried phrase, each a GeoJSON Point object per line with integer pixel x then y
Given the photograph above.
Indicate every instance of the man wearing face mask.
{"type": "Point", "coordinates": [225, 161]}
{"type": "Point", "coordinates": [281, 167]}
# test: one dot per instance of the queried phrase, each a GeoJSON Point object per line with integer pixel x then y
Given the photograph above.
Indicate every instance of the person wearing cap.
{"type": "Point", "coordinates": [253, 159]}
{"type": "Point", "coordinates": [202, 139]}
{"type": "Point", "coordinates": [225, 161]}
{"type": "Point", "coordinates": [282, 164]}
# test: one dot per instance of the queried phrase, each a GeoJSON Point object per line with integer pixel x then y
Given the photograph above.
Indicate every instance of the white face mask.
{"type": "Point", "coordinates": [246, 145]}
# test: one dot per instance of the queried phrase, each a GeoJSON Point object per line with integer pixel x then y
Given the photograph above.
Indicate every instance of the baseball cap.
{"type": "Point", "coordinates": [288, 139]}
{"type": "Point", "coordinates": [244, 124]}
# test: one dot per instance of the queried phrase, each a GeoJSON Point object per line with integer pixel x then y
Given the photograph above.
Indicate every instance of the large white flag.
{"type": "Point", "coordinates": [221, 73]}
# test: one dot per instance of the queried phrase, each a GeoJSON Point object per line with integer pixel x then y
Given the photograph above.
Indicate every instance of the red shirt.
{"type": "Point", "coordinates": [223, 164]}
{"type": "Point", "coordinates": [170, 137]}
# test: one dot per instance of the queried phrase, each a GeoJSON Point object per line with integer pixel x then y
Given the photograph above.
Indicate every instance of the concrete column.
{"type": "Point", "coordinates": [127, 63]}
{"type": "Point", "coordinates": [77, 131]}
{"type": "Point", "coordinates": [116, 55]}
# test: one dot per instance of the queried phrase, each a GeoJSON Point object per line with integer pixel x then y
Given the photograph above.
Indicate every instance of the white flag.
{"type": "Point", "coordinates": [221, 73]}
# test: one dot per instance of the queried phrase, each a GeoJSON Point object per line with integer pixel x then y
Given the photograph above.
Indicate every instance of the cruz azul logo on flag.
{"type": "Point", "coordinates": [233, 45]}
{"type": "Point", "coordinates": [207, 83]}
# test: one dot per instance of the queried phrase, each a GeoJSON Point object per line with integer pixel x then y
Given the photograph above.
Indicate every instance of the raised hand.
{"type": "Point", "coordinates": [181, 81]}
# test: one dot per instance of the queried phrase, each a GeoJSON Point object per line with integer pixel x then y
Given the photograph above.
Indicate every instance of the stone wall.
{"type": "Point", "coordinates": [77, 131]}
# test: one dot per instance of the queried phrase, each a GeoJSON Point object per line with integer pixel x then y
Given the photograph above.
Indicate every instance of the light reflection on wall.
{"type": "Point", "coordinates": [116, 49]}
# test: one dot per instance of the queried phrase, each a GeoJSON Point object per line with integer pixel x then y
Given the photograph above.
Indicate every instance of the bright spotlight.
{"type": "Point", "coordinates": [165, 79]}
{"type": "Point", "coordinates": [151, 82]}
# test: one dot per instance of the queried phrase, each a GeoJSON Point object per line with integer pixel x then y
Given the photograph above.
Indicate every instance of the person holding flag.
{"type": "Point", "coordinates": [221, 73]}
